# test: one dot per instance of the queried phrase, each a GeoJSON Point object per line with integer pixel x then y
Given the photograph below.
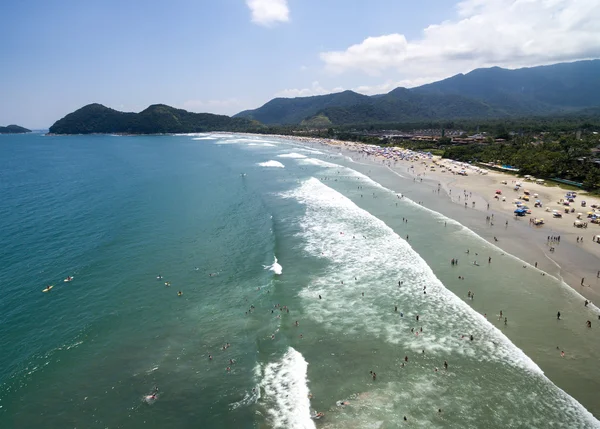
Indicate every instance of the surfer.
{"type": "Point", "coordinates": [153, 396]}
{"type": "Point", "coordinates": [445, 364]}
{"type": "Point", "coordinates": [179, 293]}
{"type": "Point", "coordinates": [317, 416]}
{"type": "Point", "coordinates": [159, 277]}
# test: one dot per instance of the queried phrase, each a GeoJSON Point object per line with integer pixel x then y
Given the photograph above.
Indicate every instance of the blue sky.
{"type": "Point", "coordinates": [224, 56]}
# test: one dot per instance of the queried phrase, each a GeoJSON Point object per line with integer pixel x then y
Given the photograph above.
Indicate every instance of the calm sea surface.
{"type": "Point", "coordinates": [257, 234]}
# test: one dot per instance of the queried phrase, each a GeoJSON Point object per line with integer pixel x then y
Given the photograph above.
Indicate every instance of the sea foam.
{"type": "Point", "coordinates": [359, 245]}
{"type": "Point", "coordinates": [275, 267]}
{"type": "Point", "coordinates": [292, 155]}
{"type": "Point", "coordinates": [286, 392]}
{"type": "Point", "coordinates": [271, 163]}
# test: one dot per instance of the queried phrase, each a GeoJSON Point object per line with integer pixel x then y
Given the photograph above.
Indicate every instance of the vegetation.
{"type": "Point", "coordinates": [550, 156]}
{"type": "Point", "coordinates": [557, 90]}
{"type": "Point", "coordinates": [156, 119]}
{"type": "Point", "coordinates": [13, 129]}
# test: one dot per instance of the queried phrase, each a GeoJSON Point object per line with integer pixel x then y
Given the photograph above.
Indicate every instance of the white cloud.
{"type": "Point", "coordinates": [268, 12]}
{"type": "Point", "coordinates": [392, 84]}
{"type": "Point", "coordinates": [225, 106]}
{"type": "Point", "coordinates": [508, 33]}
{"type": "Point", "coordinates": [315, 89]}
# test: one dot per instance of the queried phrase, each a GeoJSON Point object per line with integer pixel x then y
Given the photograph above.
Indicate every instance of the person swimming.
{"type": "Point", "coordinates": [179, 293]}
{"type": "Point", "coordinates": [153, 396]}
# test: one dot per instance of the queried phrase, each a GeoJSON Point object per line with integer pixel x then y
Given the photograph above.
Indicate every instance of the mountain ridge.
{"type": "Point", "coordinates": [14, 129]}
{"type": "Point", "coordinates": [483, 93]}
{"type": "Point", "coordinates": [96, 118]}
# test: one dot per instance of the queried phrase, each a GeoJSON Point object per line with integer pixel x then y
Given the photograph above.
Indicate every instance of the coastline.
{"type": "Point", "coordinates": [571, 261]}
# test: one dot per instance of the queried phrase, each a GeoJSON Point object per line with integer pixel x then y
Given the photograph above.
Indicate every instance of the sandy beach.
{"type": "Point", "coordinates": [575, 259]}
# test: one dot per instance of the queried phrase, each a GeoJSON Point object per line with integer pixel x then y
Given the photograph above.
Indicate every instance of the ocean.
{"type": "Point", "coordinates": [252, 281]}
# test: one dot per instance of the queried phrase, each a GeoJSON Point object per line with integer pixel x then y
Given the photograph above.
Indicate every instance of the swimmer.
{"type": "Point", "coordinates": [179, 293]}
{"type": "Point", "coordinates": [159, 277]}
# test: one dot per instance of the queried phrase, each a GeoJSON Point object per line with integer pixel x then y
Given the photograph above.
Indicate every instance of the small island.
{"type": "Point", "coordinates": [156, 119]}
{"type": "Point", "coordinates": [13, 129]}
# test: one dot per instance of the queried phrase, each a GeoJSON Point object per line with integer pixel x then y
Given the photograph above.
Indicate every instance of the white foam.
{"type": "Point", "coordinates": [334, 228]}
{"type": "Point", "coordinates": [205, 138]}
{"type": "Point", "coordinates": [271, 163]}
{"type": "Point", "coordinates": [319, 162]}
{"type": "Point", "coordinates": [261, 144]}
{"type": "Point", "coordinates": [315, 152]}
{"type": "Point", "coordinates": [292, 155]}
{"type": "Point", "coordinates": [275, 267]}
{"type": "Point", "coordinates": [286, 392]}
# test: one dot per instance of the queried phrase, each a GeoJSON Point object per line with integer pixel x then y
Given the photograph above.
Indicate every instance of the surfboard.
{"type": "Point", "coordinates": [47, 289]}
{"type": "Point", "coordinates": [68, 280]}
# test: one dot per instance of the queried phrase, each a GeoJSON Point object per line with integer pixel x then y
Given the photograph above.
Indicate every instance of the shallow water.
{"type": "Point", "coordinates": [241, 224]}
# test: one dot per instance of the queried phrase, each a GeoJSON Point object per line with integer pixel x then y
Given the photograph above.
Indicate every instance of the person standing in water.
{"type": "Point", "coordinates": [558, 316]}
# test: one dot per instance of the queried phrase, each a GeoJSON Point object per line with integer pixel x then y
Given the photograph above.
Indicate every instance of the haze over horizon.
{"type": "Point", "coordinates": [232, 55]}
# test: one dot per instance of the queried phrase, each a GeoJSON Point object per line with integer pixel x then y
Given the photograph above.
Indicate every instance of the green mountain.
{"type": "Point", "coordinates": [481, 94]}
{"type": "Point", "coordinates": [534, 90]}
{"type": "Point", "coordinates": [295, 110]}
{"type": "Point", "coordinates": [156, 119]}
{"type": "Point", "coordinates": [13, 129]}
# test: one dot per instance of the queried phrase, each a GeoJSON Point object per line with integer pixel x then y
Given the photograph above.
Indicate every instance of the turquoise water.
{"type": "Point", "coordinates": [210, 214]}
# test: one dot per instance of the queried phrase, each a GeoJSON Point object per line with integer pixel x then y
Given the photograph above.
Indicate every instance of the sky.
{"type": "Point", "coordinates": [225, 56]}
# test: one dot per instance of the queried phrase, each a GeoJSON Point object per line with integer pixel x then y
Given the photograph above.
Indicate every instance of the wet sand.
{"type": "Point", "coordinates": [571, 261]}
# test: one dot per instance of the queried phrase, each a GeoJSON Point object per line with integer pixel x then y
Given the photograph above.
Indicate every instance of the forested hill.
{"type": "Point", "coordinates": [156, 119]}
{"type": "Point", "coordinates": [13, 129]}
{"type": "Point", "coordinates": [483, 93]}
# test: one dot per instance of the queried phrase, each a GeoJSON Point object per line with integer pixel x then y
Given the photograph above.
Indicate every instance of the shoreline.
{"type": "Point", "coordinates": [570, 262]}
